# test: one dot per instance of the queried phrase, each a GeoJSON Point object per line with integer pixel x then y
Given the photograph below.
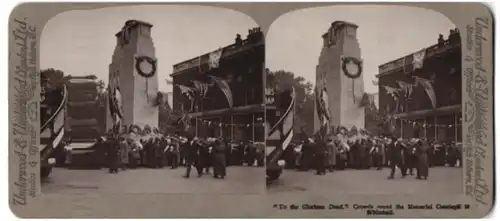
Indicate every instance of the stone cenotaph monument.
{"type": "Point", "coordinates": [133, 79]}
{"type": "Point", "coordinates": [339, 83]}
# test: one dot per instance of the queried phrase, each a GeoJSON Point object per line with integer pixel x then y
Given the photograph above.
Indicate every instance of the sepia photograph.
{"type": "Point", "coordinates": [364, 100]}
{"type": "Point", "coordinates": [161, 99]}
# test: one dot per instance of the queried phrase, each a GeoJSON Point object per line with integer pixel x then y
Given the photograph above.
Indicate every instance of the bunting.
{"type": "Point", "coordinates": [418, 59]}
{"type": "Point", "coordinates": [214, 58]}
{"type": "Point", "coordinates": [429, 89]}
{"type": "Point", "coordinates": [225, 88]}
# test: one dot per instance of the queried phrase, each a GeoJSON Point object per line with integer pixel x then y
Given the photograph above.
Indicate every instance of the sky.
{"type": "Point", "coordinates": [81, 42]}
{"type": "Point", "coordinates": [385, 33]}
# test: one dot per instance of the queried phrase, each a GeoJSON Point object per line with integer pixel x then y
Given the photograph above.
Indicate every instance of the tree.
{"type": "Point", "coordinates": [304, 109]}
{"type": "Point", "coordinates": [52, 78]}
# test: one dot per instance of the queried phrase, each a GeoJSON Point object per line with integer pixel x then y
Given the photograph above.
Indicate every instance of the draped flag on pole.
{"type": "Point", "coordinates": [418, 59]}
{"type": "Point", "coordinates": [185, 90]}
{"type": "Point", "coordinates": [115, 104]}
{"type": "Point", "coordinates": [225, 88]}
{"type": "Point", "coordinates": [111, 103]}
{"type": "Point", "coordinates": [201, 88]}
{"type": "Point", "coordinates": [429, 89]}
{"type": "Point", "coordinates": [214, 58]}
{"type": "Point", "coordinates": [392, 91]}
{"type": "Point", "coordinates": [285, 127]}
{"type": "Point", "coordinates": [407, 88]}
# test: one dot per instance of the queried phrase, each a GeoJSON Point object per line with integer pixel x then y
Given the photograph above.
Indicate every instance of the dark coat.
{"type": "Point", "coordinates": [423, 161]}
{"type": "Point", "coordinates": [395, 152]}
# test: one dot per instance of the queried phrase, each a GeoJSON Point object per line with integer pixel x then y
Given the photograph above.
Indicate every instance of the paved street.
{"type": "Point", "coordinates": [442, 180]}
{"type": "Point", "coordinates": [239, 180]}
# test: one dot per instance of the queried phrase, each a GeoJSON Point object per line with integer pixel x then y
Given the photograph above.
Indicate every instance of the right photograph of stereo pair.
{"type": "Point", "coordinates": [363, 100]}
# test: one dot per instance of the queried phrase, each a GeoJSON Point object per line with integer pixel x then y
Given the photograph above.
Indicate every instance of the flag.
{"type": "Point", "coordinates": [225, 88]}
{"type": "Point", "coordinates": [429, 89]}
{"type": "Point", "coordinates": [214, 58]}
{"type": "Point", "coordinates": [418, 59]}
{"type": "Point", "coordinates": [390, 90]}
{"type": "Point", "coordinates": [185, 90]}
{"type": "Point", "coordinates": [407, 88]}
{"type": "Point", "coordinates": [201, 87]}
{"type": "Point", "coordinates": [325, 105]}
{"type": "Point", "coordinates": [111, 104]}
{"type": "Point", "coordinates": [285, 128]}
{"type": "Point", "coordinates": [368, 100]}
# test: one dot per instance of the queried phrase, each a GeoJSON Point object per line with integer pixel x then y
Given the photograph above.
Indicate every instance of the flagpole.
{"type": "Point", "coordinates": [455, 126]}
{"type": "Point", "coordinates": [401, 128]}
{"type": "Point", "coordinates": [253, 127]}
{"type": "Point", "coordinates": [353, 93]}
{"type": "Point", "coordinates": [425, 128]}
{"type": "Point", "coordinates": [435, 128]}
{"type": "Point", "coordinates": [232, 127]}
{"type": "Point", "coordinates": [196, 127]}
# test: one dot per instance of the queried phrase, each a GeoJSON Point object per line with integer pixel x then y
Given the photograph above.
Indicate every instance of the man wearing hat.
{"type": "Point", "coordinates": [192, 157]}
{"type": "Point", "coordinates": [332, 153]}
{"type": "Point", "coordinates": [395, 153]}
{"type": "Point", "coordinates": [321, 156]}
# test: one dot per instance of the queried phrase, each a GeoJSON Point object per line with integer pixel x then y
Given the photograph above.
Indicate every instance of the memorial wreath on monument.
{"type": "Point", "coordinates": [346, 61]}
{"type": "Point", "coordinates": [149, 61]}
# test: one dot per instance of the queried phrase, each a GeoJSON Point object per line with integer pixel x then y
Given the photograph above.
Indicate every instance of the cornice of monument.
{"type": "Point", "coordinates": [340, 24]}
{"type": "Point", "coordinates": [132, 24]}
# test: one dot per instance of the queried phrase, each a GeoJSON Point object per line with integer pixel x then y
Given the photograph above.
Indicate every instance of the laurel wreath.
{"type": "Point", "coordinates": [347, 60]}
{"type": "Point", "coordinates": [151, 61]}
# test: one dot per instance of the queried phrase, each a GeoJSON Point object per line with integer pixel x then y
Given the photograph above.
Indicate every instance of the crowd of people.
{"type": "Point", "coordinates": [130, 150]}
{"type": "Point", "coordinates": [409, 155]}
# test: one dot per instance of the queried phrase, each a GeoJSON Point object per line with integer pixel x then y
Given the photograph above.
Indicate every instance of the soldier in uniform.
{"type": "Point", "coordinates": [332, 154]}
{"type": "Point", "coordinates": [307, 155]}
{"type": "Point", "coordinates": [205, 158]}
{"type": "Point", "coordinates": [341, 156]}
{"type": "Point", "coordinates": [113, 154]}
{"type": "Point", "coordinates": [159, 154]}
{"type": "Point", "coordinates": [175, 154]}
{"type": "Point", "coordinates": [250, 157]}
{"type": "Point", "coordinates": [321, 155]}
{"type": "Point", "coordinates": [123, 153]}
{"type": "Point", "coordinates": [396, 158]}
{"type": "Point", "coordinates": [409, 158]}
{"type": "Point", "coordinates": [355, 154]}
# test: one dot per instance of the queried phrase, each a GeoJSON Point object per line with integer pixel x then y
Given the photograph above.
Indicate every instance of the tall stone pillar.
{"type": "Point", "coordinates": [133, 71]}
{"type": "Point", "coordinates": [340, 89]}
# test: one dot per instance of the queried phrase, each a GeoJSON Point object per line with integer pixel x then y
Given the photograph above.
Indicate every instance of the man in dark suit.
{"type": "Point", "coordinates": [396, 157]}
{"type": "Point", "coordinates": [113, 154]}
{"type": "Point", "coordinates": [321, 156]}
{"type": "Point", "coordinates": [192, 157]}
